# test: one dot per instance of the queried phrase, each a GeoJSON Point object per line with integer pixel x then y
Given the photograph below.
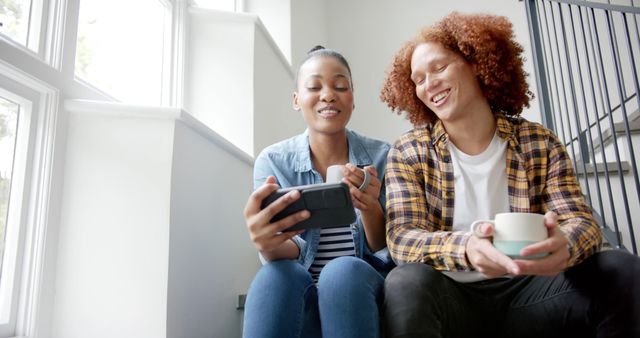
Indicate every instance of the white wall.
{"type": "Point", "coordinates": [152, 242]}
{"type": "Point", "coordinates": [369, 32]}
{"type": "Point", "coordinates": [309, 23]}
{"type": "Point", "coordinates": [237, 80]}
{"type": "Point", "coordinates": [218, 80]}
{"type": "Point", "coordinates": [276, 16]}
{"type": "Point", "coordinates": [114, 228]}
{"type": "Point", "coordinates": [212, 260]}
{"type": "Point", "coordinates": [273, 114]}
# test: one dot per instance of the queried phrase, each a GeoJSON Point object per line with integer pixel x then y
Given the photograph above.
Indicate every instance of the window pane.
{"type": "Point", "coordinates": [222, 5]}
{"type": "Point", "coordinates": [8, 125]}
{"type": "Point", "coordinates": [14, 19]}
{"type": "Point", "coordinates": [120, 48]}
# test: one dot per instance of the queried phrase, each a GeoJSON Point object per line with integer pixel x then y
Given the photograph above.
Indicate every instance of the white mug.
{"type": "Point", "coordinates": [515, 230]}
{"type": "Point", "coordinates": [335, 173]}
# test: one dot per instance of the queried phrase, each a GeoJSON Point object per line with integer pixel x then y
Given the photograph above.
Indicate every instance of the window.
{"type": "Point", "coordinates": [8, 125]}
{"type": "Point", "coordinates": [221, 5]}
{"type": "Point", "coordinates": [15, 114]}
{"type": "Point", "coordinates": [20, 22]}
{"type": "Point", "coordinates": [14, 17]}
{"type": "Point", "coordinates": [123, 48]}
{"type": "Point", "coordinates": [28, 115]}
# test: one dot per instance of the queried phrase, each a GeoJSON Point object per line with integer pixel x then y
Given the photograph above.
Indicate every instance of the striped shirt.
{"type": "Point", "coordinates": [334, 243]}
{"type": "Point", "coordinates": [420, 193]}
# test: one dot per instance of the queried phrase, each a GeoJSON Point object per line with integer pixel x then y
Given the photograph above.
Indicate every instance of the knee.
{"type": "Point", "coordinates": [618, 258]}
{"type": "Point", "coordinates": [412, 280]}
{"type": "Point", "coordinates": [619, 266]}
{"type": "Point", "coordinates": [622, 270]}
{"type": "Point", "coordinates": [282, 272]}
{"type": "Point", "coordinates": [348, 283]}
{"type": "Point", "coordinates": [412, 275]}
{"type": "Point", "coordinates": [346, 273]}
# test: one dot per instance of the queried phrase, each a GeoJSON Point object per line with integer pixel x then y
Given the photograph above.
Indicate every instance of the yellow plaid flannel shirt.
{"type": "Point", "coordinates": [420, 193]}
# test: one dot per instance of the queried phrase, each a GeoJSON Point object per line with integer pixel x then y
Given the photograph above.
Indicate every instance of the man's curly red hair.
{"type": "Point", "coordinates": [483, 40]}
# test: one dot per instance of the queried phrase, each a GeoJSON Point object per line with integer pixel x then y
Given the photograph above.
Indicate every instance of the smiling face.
{"type": "Point", "coordinates": [445, 82]}
{"type": "Point", "coordinates": [324, 94]}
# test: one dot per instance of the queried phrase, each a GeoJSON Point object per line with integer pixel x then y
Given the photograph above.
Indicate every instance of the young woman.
{"type": "Point", "coordinates": [318, 282]}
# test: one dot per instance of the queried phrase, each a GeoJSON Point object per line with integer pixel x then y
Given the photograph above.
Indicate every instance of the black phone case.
{"type": "Point", "coordinates": [329, 203]}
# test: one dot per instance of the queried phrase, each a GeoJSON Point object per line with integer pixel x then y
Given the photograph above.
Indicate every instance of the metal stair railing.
{"type": "Point", "coordinates": [587, 58]}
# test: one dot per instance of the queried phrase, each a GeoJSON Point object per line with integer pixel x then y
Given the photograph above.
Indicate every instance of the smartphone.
{"type": "Point", "coordinates": [330, 205]}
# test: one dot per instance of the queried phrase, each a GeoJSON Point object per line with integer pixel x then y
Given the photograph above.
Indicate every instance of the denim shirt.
{"type": "Point", "coordinates": [290, 162]}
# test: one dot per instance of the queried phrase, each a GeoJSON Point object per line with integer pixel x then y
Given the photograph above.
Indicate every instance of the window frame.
{"type": "Point", "coordinates": [238, 6]}
{"type": "Point", "coordinates": [166, 96]}
{"type": "Point", "coordinates": [32, 178]}
{"type": "Point", "coordinates": [14, 230]}
{"type": "Point", "coordinates": [36, 29]}
{"type": "Point", "coordinates": [48, 75]}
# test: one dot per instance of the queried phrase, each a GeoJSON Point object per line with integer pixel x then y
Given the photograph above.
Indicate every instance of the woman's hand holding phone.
{"type": "Point", "coordinates": [266, 236]}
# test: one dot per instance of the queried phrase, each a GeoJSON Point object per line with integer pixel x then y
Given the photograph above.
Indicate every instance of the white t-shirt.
{"type": "Point", "coordinates": [481, 190]}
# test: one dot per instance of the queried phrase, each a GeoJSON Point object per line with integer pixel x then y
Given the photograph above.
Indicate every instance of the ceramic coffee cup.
{"type": "Point", "coordinates": [515, 230]}
{"type": "Point", "coordinates": [335, 173]}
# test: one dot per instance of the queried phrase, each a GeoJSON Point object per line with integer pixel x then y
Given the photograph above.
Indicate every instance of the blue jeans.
{"type": "Point", "coordinates": [283, 301]}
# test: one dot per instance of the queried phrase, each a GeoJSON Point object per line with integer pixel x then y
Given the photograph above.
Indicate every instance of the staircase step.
{"type": "Point", "coordinates": [619, 128]}
{"type": "Point", "coordinates": [612, 167]}
{"type": "Point", "coordinates": [634, 126]}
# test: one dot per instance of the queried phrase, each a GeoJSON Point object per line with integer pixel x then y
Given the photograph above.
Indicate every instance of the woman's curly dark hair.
{"type": "Point", "coordinates": [483, 40]}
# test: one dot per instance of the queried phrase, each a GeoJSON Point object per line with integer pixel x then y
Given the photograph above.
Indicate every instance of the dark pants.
{"type": "Point", "coordinates": [598, 298]}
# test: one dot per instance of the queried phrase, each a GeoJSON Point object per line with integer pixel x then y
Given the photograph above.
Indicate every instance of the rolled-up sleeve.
{"type": "Point", "coordinates": [563, 195]}
{"type": "Point", "coordinates": [416, 231]}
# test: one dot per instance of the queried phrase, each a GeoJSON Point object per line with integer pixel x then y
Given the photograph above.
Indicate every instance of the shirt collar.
{"type": "Point", "coordinates": [358, 153]}
{"type": "Point", "coordinates": [505, 130]}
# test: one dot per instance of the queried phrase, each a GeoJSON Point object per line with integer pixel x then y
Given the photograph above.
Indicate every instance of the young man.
{"type": "Point", "coordinates": [469, 157]}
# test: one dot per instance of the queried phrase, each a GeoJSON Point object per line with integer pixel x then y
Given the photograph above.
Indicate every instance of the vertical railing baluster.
{"type": "Point", "coordinates": [636, 85]}
{"type": "Point", "coordinates": [595, 107]}
{"type": "Point", "coordinates": [583, 156]}
{"type": "Point", "coordinates": [595, 45]}
{"type": "Point", "coordinates": [614, 36]}
{"type": "Point", "coordinates": [550, 61]}
{"type": "Point", "coordinates": [635, 26]}
{"type": "Point", "coordinates": [611, 121]}
{"type": "Point", "coordinates": [621, 93]}
{"type": "Point", "coordinates": [564, 92]}
{"type": "Point", "coordinates": [535, 34]}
